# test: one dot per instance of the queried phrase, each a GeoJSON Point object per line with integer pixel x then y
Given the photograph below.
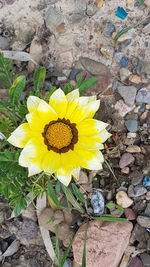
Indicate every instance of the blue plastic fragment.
{"type": "Point", "coordinates": [124, 62]}
{"type": "Point", "coordinates": [121, 13]}
{"type": "Point", "coordinates": [146, 181]}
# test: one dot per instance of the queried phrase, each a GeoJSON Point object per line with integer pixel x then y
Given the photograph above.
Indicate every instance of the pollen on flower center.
{"type": "Point", "coordinates": [59, 135]}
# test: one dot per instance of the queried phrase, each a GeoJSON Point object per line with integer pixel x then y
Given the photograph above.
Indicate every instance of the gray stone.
{"type": "Point", "coordinates": [139, 67]}
{"type": "Point", "coordinates": [75, 17]}
{"type": "Point", "coordinates": [51, 2]}
{"type": "Point", "coordinates": [91, 10]}
{"type": "Point", "coordinates": [145, 259]}
{"type": "Point", "coordinates": [132, 125]}
{"type": "Point", "coordinates": [147, 210]}
{"type": "Point", "coordinates": [124, 74]}
{"type": "Point", "coordinates": [136, 177]}
{"type": "Point", "coordinates": [68, 263]}
{"type": "Point", "coordinates": [128, 93]}
{"type": "Point", "coordinates": [94, 67]}
{"type": "Point", "coordinates": [80, 5]}
{"type": "Point", "coordinates": [53, 18]}
{"type": "Point", "coordinates": [143, 96]}
{"type": "Point", "coordinates": [118, 56]}
{"type": "Point", "coordinates": [4, 43]}
{"type": "Point", "coordinates": [98, 203]}
{"type": "Point", "coordinates": [144, 221]}
{"type": "Point", "coordinates": [126, 160]}
{"type": "Point", "coordinates": [109, 29]}
{"type": "Point", "coordinates": [125, 43]}
{"type": "Point", "coordinates": [139, 190]}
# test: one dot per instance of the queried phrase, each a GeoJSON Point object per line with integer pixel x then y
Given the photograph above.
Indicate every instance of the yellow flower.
{"type": "Point", "coordinates": [62, 136]}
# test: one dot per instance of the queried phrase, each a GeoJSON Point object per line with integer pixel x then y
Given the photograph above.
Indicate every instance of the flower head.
{"type": "Point", "coordinates": [62, 136]}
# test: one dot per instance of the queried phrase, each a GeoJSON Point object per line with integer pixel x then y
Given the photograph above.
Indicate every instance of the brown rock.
{"type": "Point", "coordinates": [50, 219]}
{"type": "Point", "coordinates": [65, 234]}
{"type": "Point", "coordinates": [126, 160]}
{"type": "Point", "coordinates": [30, 213]}
{"type": "Point", "coordinates": [105, 245]}
{"type": "Point", "coordinates": [133, 149]}
{"type": "Point", "coordinates": [94, 67]}
{"type": "Point", "coordinates": [130, 214]}
{"type": "Point", "coordinates": [147, 3]}
{"type": "Point", "coordinates": [83, 178]}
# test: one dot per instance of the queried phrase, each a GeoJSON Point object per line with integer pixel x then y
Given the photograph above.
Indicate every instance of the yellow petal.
{"type": "Point", "coordinates": [20, 136]}
{"type": "Point", "coordinates": [32, 103]}
{"type": "Point", "coordinates": [63, 176]}
{"type": "Point", "coordinates": [89, 143]}
{"type": "Point", "coordinates": [72, 98]}
{"type": "Point", "coordinates": [85, 111]}
{"type": "Point", "coordinates": [58, 102]}
{"type": "Point", "coordinates": [76, 173]}
{"type": "Point", "coordinates": [104, 135]}
{"type": "Point", "coordinates": [27, 162]}
{"type": "Point", "coordinates": [90, 127]}
{"type": "Point", "coordinates": [51, 161]}
{"type": "Point", "coordinates": [91, 159]}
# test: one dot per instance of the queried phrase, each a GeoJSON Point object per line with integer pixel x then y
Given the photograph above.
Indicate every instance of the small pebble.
{"type": "Point", "coordinates": [109, 29]}
{"type": "Point", "coordinates": [133, 149]}
{"type": "Point", "coordinates": [147, 3]}
{"type": "Point", "coordinates": [131, 135]}
{"type": "Point", "coordinates": [118, 56]}
{"type": "Point", "coordinates": [124, 62]}
{"type": "Point", "coordinates": [125, 43]}
{"type": "Point", "coordinates": [139, 190]}
{"type": "Point", "coordinates": [135, 79]}
{"type": "Point", "coordinates": [130, 214]}
{"type": "Point", "coordinates": [145, 257]}
{"type": "Point", "coordinates": [132, 125]}
{"type": "Point", "coordinates": [124, 74]}
{"type": "Point", "coordinates": [135, 262]}
{"type": "Point", "coordinates": [146, 181]}
{"type": "Point", "coordinates": [143, 96]}
{"type": "Point", "coordinates": [148, 195]}
{"type": "Point", "coordinates": [122, 108]}
{"type": "Point", "coordinates": [123, 200]}
{"type": "Point", "coordinates": [125, 170]}
{"type": "Point", "coordinates": [144, 221]}
{"type": "Point", "coordinates": [125, 160]}
{"type": "Point", "coordinates": [98, 203]}
{"type": "Point", "coordinates": [147, 106]}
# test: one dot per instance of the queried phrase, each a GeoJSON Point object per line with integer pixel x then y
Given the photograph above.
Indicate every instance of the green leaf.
{"type": "Point", "coordinates": [111, 205]}
{"type": "Point", "coordinates": [110, 219]}
{"type": "Point", "coordinates": [17, 88]}
{"type": "Point", "coordinates": [39, 77]}
{"type": "Point", "coordinates": [58, 187]}
{"type": "Point", "coordinates": [79, 81]}
{"type": "Point", "coordinates": [84, 255]}
{"type": "Point", "coordinates": [70, 197]}
{"type": "Point", "coordinates": [79, 195]}
{"type": "Point", "coordinates": [6, 71]}
{"type": "Point", "coordinates": [66, 253]}
{"type": "Point", "coordinates": [53, 196]}
{"type": "Point", "coordinates": [87, 84]}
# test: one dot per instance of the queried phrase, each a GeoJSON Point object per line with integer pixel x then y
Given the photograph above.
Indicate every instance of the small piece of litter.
{"type": "Point", "coordinates": [146, 181]}
{"type": "Point", "coordinates": [100, 3]}
{"type": "Point", "coordinates": [121, 13]}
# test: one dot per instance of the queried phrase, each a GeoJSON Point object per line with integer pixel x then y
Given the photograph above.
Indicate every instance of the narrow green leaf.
{"type": "Point", "coordinates": [53, 196]}
{"type": "Point", "coordinates": [79, 195]}
{"type": "Point", "coordinates": [79, 81]}
{"type": "Point", "coordinates": [70, 197]}
{"type": "Point", "coordinates": [17, 88]}
{"type": "Point", "coordinates": [84, 255]}
{"type": "Point", "coordinates": [6, 69]}
{"type": "Point", "coordinates": [110, 219]}
{"type": "Point", "coordinates": [39, 77]}
{"type": "Point", "coordinates": [85, 85]}
{"type": "Point", "coordinates": [66, 253]}
{"type": "Point", "coordinates": [112, 205]}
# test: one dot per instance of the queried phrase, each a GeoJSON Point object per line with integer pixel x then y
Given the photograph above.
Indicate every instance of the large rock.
{"type": "Point", "coordinates": [94, 67]}
{"type": "Point", "coordinates": [105, 245]}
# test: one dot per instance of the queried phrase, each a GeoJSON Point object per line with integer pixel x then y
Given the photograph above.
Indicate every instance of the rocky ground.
{"type": "Point", "coordinates": [70, 38]}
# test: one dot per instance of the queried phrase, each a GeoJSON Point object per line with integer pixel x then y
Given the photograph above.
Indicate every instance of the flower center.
{"type": "Point", "coordinates": [60, 136]}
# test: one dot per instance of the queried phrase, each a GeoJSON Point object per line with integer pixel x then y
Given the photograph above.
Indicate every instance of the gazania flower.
{"type": "Point", "coordinates": [62, 136]}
